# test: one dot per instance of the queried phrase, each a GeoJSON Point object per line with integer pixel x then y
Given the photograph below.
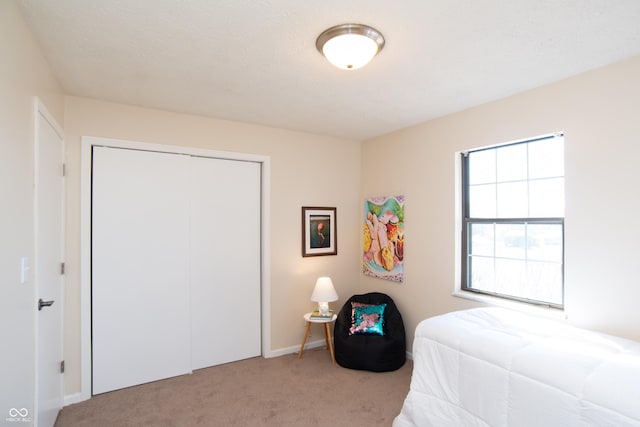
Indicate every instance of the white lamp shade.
{"type": "Point", "coordinates": [324, 290]}
{"type": "Point", "coordinates": [350, 51]}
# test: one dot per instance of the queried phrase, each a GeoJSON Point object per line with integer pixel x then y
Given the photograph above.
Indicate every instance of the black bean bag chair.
{"type": "Point", "coordinates": [361, 347]}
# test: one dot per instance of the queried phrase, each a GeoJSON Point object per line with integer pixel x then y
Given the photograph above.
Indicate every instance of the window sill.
{"type": "Point", "coordinates": [550, 313]}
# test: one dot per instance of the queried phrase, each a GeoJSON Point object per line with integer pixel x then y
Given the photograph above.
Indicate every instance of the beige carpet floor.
{"type": "Point", "coordinates": [282, 391]}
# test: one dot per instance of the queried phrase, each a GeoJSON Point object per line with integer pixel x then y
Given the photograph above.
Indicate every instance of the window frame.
{"type": "Point", "coordinates": [467, 222]}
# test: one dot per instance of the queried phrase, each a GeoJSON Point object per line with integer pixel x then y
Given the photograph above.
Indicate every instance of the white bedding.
{"type": "Point", "coordinates": [496, 367]}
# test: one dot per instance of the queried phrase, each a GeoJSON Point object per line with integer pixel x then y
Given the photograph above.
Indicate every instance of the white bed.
{"type": "Point", "coordinates": [496, 367]}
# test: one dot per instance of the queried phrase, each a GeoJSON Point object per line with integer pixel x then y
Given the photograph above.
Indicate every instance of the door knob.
{"type": "Point", "coordinates": [44, 304]}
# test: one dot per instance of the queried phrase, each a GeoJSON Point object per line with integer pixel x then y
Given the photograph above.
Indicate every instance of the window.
{"type": "Point", "coordinates": [513, 220]}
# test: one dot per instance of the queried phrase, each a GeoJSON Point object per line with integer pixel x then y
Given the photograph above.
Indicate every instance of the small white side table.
{"type": "Point", "coordinates": [327, 332]}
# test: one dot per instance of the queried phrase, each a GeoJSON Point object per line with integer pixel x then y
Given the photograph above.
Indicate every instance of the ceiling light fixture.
{"type": "Point", "coordinates": [350, 46]}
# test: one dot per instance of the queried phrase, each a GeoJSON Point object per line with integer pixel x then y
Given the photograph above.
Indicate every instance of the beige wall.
{"type": "Point", "coordinates": [24, 73]}
{"type": "Point", "coordinates": [599, 112]}
{"type": "Point", "coordinates": [306, 170]}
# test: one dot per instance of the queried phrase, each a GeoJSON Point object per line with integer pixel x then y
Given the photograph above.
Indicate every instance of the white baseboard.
{"type": "Point", "coordinates": [308, 345]}
{"type": "Point", "coordinates": [70, 399]}
{"type": "Point", "coordinates": [294, 349]}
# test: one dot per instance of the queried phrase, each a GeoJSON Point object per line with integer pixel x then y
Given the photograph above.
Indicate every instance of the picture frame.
{"type": "Point", "coordinates": [319, 231]}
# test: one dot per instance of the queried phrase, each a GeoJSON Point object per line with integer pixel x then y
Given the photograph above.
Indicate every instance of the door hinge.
{"type": "Point", "coordinates": [64, 169]}
{"type": "Point", "coordinates": [62, 367]}
{"type": "Point", "coordinates": [62, 268]}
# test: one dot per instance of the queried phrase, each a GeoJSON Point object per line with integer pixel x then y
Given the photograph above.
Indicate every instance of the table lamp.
{"type": "Point", "coordinates": [323, 293]}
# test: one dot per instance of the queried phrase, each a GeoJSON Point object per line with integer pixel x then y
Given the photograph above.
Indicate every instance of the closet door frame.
{"type": "Point", "coordinates": [85, 238]}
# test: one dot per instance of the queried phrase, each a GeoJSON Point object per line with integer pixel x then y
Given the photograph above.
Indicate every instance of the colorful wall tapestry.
{"type": "Point", "coordinates": [384, 238]}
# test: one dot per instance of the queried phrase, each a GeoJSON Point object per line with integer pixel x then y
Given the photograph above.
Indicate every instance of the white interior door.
{"type": "Point", "coordinates": [49, 231]}
{"type": "Point", "coordinates": [225, 261]}
{"type": "Point", "coordinates": [140, 267]}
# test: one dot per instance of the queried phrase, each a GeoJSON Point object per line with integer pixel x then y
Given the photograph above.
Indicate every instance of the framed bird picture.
{"type": "Point", "coordinates": [319, 231]}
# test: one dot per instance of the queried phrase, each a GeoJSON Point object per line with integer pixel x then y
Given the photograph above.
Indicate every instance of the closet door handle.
{"type": "Point", "coordinates": [44, 304]}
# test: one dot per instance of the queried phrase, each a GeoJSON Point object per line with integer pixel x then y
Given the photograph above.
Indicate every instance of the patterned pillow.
{"type": "Point", "coordinates": [367, 319]}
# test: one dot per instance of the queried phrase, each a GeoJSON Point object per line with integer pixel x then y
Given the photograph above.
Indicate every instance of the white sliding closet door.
{"type": "Point", "coordinates": [176, 257]}
{"type": "Point", "coordinates": [225, 261]}
{"type": "Point", "coordinates": [140, 267]}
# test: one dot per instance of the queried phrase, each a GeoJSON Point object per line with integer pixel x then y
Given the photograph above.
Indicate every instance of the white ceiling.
{"type": "Point", "coordinates": [255, 60]}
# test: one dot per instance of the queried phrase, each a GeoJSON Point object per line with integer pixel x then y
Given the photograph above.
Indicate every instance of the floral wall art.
{"type": "Point", "coordinates": [384, 238]}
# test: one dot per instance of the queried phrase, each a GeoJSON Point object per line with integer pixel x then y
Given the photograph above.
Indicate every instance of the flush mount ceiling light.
{"type": "Point", "coordinates": [350, 46]}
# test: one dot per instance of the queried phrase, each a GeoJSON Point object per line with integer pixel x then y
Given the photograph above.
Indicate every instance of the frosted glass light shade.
{"type": "Point", "coordinates": [350, 51]}
{"type": "Point", "coordinates": [350, 46]}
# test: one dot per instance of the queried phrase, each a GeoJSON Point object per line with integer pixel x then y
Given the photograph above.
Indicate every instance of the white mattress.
{"type": "Point", "coordinates": [496, 367]}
